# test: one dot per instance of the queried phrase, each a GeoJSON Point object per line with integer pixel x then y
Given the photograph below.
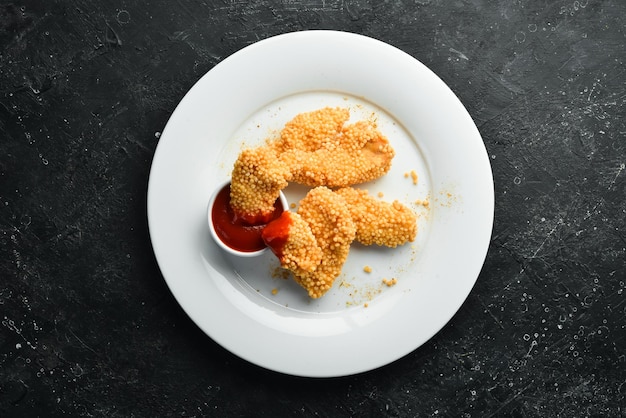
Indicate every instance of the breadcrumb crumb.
{"type": "Point", "coordinates": [390, 282]}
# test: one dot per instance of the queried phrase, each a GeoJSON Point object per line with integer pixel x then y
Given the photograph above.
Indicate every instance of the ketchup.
{"type": "Point", "coordinates": [235, 232]}
{"type": "Point", "coordinates": [276, 234]}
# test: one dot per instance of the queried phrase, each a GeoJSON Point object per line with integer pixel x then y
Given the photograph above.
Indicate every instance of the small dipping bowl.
{"type": "Point", "coordinates": [234, 236]}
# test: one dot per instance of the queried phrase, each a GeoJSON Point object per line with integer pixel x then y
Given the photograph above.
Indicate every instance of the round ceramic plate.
{"type": "Point", "coordinates": [441, 170]}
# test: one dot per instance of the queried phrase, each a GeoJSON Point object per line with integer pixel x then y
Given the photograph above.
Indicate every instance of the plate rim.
{"type": "Point", "coordinates": [351, 37]}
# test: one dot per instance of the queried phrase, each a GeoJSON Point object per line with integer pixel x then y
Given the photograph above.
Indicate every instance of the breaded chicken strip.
{"type": "Point", "coordinates": [291, 240]}
{"type": "Point", "coordinates": [258, 176]}
{"type": "Point", "coordinates": [320, 150]}
{"type": "Point", "coordinates": [330, 221]}
{"type": "Point", "coordinates": [378, 222]}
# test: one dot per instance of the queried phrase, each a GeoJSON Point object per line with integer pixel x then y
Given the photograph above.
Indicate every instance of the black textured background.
{"type": "Point", "coordinates": [89, 327]}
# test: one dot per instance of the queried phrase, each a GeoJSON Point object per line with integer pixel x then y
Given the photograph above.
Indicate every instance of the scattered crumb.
{"type": "Point", "coordinates": [446, 199]}
{"type": "Point", "coordinates": [414, 176]}
{"type": "Point", "coordinates": [424, 203]}
{"type": "Point", "coordinates": [413, 253]}
{"type": "Point", "coordinates": [406, 175]}
{"type": "Point", "coordinates": [274, 291]}
{"type": "Point", "coordinates": [380, 194]}
{"type": "Point", "coordinates": [365, 305]}
{"type": "Point", "coordinates": [390, 282]}
{"type": "Point", "coordinates": [367, 269]}
{"type": "Point", "coordinates": [281, 273]}
{"type": "Point", "coordinates": [292, 205]}
{"type": "Point", "coordinates": [362, 295]}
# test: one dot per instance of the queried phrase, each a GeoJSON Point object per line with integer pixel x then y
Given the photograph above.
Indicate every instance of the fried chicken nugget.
{"type": "Point", "coordinates": [379, 222]}
{"type": "Point", "coordinates": [330, 221]}
{"type": "Point", "coordinates": [291, 240]}
{"type": "Point", "coordinates": [258, 176]}
{"type": "Point", "coordinates": [321, 151]}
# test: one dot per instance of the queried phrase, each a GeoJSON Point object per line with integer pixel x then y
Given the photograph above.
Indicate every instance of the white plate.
{"type": "Point", "coordinates": [361, 323]}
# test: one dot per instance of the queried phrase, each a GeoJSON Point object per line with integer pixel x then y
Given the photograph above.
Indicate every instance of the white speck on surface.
{"type": "Point", "coordinates": [459, 54]}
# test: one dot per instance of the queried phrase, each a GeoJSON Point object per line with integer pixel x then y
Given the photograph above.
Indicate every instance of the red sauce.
{"type": "Point", "coordinates": [234, 231]}
{"type": "Point", "coordinates": [256, 219]}
{"type": "Point", "coordinates": [276, 233]}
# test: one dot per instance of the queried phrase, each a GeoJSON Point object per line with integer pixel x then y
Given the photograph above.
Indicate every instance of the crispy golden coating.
{"type": "Point", "coordinates": [378, 222]}
{"type": "Point", "coordinates": [258, 177]}
{"type": "Point", "coordinates": [309, 131]}
{"type": "Point", "coordinates": [321, 150]}
{"type": "Point", "coordinates": [291, 239]}
{"type": "Point", "coordinates": [330, 221]}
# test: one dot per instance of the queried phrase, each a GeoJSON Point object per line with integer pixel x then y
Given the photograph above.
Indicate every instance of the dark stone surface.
{"type": "Point", "coordinates": [89, 327]}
